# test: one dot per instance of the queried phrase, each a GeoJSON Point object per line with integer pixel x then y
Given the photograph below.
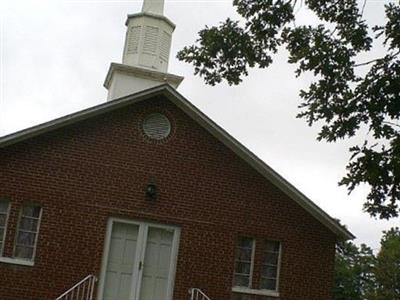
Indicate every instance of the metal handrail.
{"type": "Point", "coordinates": [197, 294]}
{"type": "Point", "coordinates": [83, 290]}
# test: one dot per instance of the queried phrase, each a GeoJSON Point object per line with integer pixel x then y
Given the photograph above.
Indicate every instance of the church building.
{"type": "Point", "coordinates": [143, 197]}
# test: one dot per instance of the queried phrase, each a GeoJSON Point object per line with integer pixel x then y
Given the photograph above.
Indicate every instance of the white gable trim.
{"type": "Point", "coordinates": [205, 122]}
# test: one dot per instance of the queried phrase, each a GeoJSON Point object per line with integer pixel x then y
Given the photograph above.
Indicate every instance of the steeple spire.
{"type": "Point", "coordinates": [153, 6]}
{"type": "Point", "coordinates": [146, 53]}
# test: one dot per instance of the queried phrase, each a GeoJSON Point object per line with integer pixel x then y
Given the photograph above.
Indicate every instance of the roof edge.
{"type": "Point", "coordinates": [141, 73]}
{"type": "Point", "coordinates": [81, 115]}
{"type": "Point", "coordinates": [151, 15]}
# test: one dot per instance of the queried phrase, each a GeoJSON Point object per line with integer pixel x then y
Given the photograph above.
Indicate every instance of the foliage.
{"type": "Point", "coordinates": [345, 102]}
{"type": "Point", "coordinates": [362, 275]}
{"type": "Point", "coordinates": [353, 271]}
{"type": "Point", "coordinates": [387, 269]}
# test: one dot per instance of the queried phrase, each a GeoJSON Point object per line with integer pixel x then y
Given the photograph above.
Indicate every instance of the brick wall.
{"type": "Point", "coordinates": [85, 173]}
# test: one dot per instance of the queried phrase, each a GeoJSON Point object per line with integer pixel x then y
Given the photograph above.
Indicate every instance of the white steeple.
{"type": "Point", "coordinates": [153, 6]}
{"type": "Point", "coordinates": [146, 53]}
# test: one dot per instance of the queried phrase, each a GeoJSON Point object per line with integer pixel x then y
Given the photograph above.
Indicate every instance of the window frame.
{"type": "Point", "coordinates": [252, 258]}
{"type": "Point", "coordinates": [258, 291]}
{"type": "Point", "coordinates": [39, 219]}
{"type": "Point", "coordinates": [5, 225]}
{"type": "Point", "coordinates": [278, 265]}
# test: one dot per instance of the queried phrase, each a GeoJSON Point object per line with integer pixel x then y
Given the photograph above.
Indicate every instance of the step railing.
{"type": "Point", "coordinates": [83, 290]}
{"type": "Point", "coordinates": [197, 294]}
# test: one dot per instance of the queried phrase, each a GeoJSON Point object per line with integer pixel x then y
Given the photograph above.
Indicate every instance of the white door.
{"type": "Point", "coordinates": [121, 261]}
{"type": "Point", "coordinates": [156, 264]}
{"type": "Point", "coordinates": [139, 261]}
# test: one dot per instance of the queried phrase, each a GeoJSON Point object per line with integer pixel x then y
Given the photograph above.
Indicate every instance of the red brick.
{"type": "Point", "coordinates": [87, 172]}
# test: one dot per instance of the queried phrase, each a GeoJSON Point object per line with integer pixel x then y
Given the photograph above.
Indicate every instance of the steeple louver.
{"type": "Point", "coordinates": [148, 37]}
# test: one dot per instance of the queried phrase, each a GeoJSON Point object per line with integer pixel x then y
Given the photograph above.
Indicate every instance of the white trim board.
{"type": "Point", "coordinates": [180, 101]}
{"type": "Point", "coordinates": [17, 261]}
{"type": "Point", "coordinates": [268, 293]}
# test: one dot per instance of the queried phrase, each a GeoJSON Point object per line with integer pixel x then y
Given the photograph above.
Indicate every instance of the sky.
{"type": "Point", "coordinates": [55, 54]}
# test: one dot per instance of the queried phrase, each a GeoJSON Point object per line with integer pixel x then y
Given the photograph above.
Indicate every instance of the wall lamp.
{"type": "Point", "coordinates": [151, 190]}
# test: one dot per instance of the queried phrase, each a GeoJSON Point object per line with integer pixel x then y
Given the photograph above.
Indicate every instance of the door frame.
{"type": "Point", "coordinates": [142, 238]}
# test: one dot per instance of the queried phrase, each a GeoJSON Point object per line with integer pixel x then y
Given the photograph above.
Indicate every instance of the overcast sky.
{"type": "Point", "coordinates": [54, 56]}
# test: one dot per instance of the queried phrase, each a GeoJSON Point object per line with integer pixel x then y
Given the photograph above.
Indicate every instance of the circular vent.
{"type": "Point", "coordinates": [156, 126]}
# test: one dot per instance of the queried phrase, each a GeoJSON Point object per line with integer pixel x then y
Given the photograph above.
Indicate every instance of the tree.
{"type": "Point", "coordinates": [387, 267]}
{"type": "Point", "coordinates": [343, 99]}
{"type": "Point", "coordinates": [362, 275]}
{"type": "Point", "coordinates": [353, 279]}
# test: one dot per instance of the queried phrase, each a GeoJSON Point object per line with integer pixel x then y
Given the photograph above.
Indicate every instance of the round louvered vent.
{"type": "Point", "coordinates": [156, 126]}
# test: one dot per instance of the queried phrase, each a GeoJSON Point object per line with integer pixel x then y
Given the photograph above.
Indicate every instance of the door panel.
{"type": "Point", "coordinates": [121, 260]}
{"type": "Point", "coordinates": [157, 264]}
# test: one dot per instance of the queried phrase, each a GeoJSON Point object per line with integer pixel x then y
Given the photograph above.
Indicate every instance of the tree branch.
{"type": "Point", "coordinates": [377, 59]}
{"type": "Point", "coordinates": [363, 8]}
{"type": "Point", "coordinates": [333, 32]}
{"type": "Point", "coordinates": [300, 7]}
{"type": "Point", "coordinates": [391, 123]}
{"type": "Point", "coordinates": [368, 62]}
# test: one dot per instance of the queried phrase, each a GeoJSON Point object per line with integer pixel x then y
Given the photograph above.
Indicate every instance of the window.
{"type": "Point", "coordinates": [257, 269]}
{"type": "Point", "coordinates": [244, 260]}
{"type": "Point", "coordinates": [27, 233]}
{"type": "Point", "coordinates": [4, 209]}
{"type": "Point", "coordinates": [270, 265]}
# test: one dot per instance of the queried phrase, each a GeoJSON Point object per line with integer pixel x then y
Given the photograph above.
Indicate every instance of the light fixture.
{"type": "Point", "coordinates": [151, 190]}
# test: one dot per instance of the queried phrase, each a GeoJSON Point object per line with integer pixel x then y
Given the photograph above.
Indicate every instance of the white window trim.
{"type": "Point", "coordinates": [18, 260]}
{"type": "Point", "coordinates": [174, 255]}
{"type": "Point", "coordinates": [278, 273]}
{"type": "Point", "coordinates": [244, 290]}
{"type": "Point", "coordinates": [5, 227]}
{"type": "Point", "coordinates": [253, 253]}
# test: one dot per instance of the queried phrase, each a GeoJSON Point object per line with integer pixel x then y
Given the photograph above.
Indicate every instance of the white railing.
{"type": "Point", "coordinates": [83, 290]}
{"type": "Point", "coordinates": [197, 294]}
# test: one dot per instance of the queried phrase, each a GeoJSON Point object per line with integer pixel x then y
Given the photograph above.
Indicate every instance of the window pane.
{"type": "Point", "coordinates": [246, 242]}
{"type": "Point", "coordinates": [243, 254]}
{"type": "Point", "coordinates": [268, 284]}
{"type": "Point", "coordinates": [4, 207]}
{"type": "Point", "coordinates": [24, 252]}
{"type": "Point", "coordinates": [3, 218]}
{"type": "Point", "coordinates": [26, 238]}
{"type": "Point", "coordinates": [28, 227]}
{"type": "Point", "coordinates": [243, 262]}
{"type": "Point", "coordinates": [271, 258]}
{"type": "Point", "coordinates": [31, 211]}
{"type": "Point", "coordinates": [241, 280]}
{"type": "Point", "coordinates": [1, 240]}
{"type": "Point", "coordinates": [272, 246]}
{"type": "Point", "coordinates": [28, 224]}
{"type": "Point", "coordinates": [242, 268]}
{"type": "Point", "coordinates": [269, 271]}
